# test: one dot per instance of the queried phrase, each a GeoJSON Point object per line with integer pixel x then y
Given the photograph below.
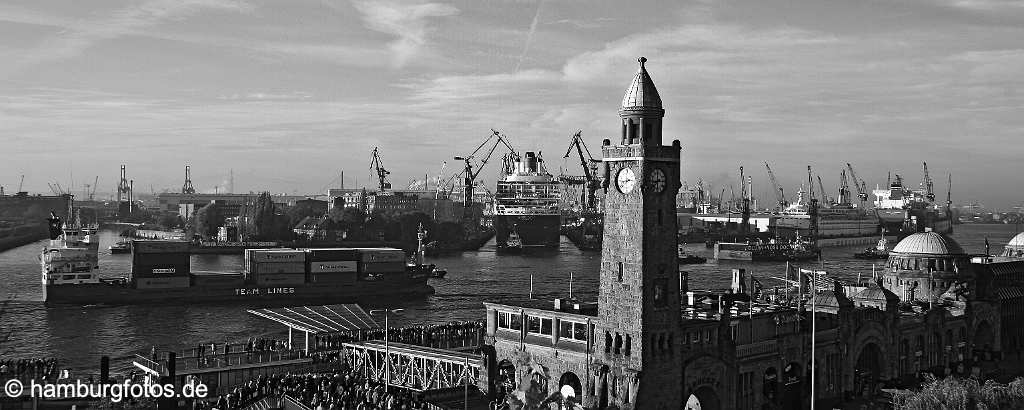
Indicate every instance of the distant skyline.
{"type": "Point", "coordinates": [289, 93]}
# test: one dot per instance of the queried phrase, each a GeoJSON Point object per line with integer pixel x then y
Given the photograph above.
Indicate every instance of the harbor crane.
{"type": "Point", "coordinates": [382, 174]}
{"type": "Point", "coordinates": [844, 188]}
{"type": "Point", "coordinates": [469, 175]}
{"type": "Point", "coordinates": [745, 197]}
{"type": "Point", "coordinates": [187, 187]}
{"type": "Point", "coordinates": [927, 185]}
{"type": "Point", "coordinates": [862, 189]}
{"type": "Point", "coordinates": [439, 183]}
{"type": "Point", "coordinates": [589, 164]}
{"type": "Point", "coordinates": [780, 194]}
{"type": "Point", "coordinates": [821, 189]}
{"type": "Point", "coordinates": [812, 206]}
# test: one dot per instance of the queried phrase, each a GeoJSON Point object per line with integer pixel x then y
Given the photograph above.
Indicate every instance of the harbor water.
{"type": "Point", "coordinates": [79, 336]}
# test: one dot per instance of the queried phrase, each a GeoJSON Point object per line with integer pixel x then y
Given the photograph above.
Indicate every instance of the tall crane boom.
{"type": "Point", "coordinates": [779, 193]}
{"type": "Point", "coordinates": [745, 222]}
{"type": "Point", "coordinates": [469, 175]}
{"type": "Point", "coordinates": [382, 174]}
{"type": "Point", "coordinates": [812, 206]}
{"type": "Point", "coordinates": [926, 182]}
{"type": "Point", "coordinates": [821, 189]}
{"type": "Point", "coordinates": [862, 190]}
{"type": "Point", "coordinates": [589, 164]}
{"type": "Point", "coordinates": [844, 188]}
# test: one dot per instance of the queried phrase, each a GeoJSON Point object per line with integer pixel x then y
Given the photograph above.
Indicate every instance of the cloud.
{"type": "Point", "coordinates": [79, 37]}
{"type": "Point", "coordinates": [406, 20]}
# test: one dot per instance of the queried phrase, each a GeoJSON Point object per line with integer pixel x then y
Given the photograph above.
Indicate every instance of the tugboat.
{"type": "Point", "coordinates": [514, 244]}
{"type": "Point", "coordinates": [685, 258]}
{"type": "Point", "coordinates": [438, 273]}
{"type": "Point", "coordinates": [880, 251]}
{"type": "Point", "coordinates": [419, 262]}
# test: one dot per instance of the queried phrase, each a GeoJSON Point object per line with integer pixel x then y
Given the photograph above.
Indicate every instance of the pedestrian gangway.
{"type": "Point", "coordinates": [413, 367]}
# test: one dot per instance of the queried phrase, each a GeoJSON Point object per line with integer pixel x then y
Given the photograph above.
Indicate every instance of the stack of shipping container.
{"type": "Point", "coordinates": [375, 262]}
{"type": "Point", "coordinates": [160, 264]}
{"type": "Point", "coordinates": [275, 267]}
{"type": "Point", "coordinates": [334, 266]}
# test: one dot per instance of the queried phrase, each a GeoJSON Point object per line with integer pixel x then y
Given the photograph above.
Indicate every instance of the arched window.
{"type": "Point", "coordinates": [629, 344]}
{"type": "Point", "coordinates": [607, 342]}
{"type": "Point", "coordinates": [618, 343]}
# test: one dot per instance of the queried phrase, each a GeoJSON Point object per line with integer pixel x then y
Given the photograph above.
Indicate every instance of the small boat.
{"type": "Point", "coordinates": [438, 273]}
{"type": "Point", "coordinates": [122, 246]}
{"type": "Point", "coordinates": [880, 251]}
{"type": "Point", "coordinates": [690, 259]}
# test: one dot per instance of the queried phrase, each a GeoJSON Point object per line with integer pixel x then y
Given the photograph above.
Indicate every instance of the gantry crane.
{"type": "Point", "coordinates": [382, 174]}
{"type": "Point", "coordinates": [821, 189]}
{"type": "Point", "coordinates": [591, 182]}
{"type": "Point", "coordinates": [469, 175]}
{"type": "Point", "coordinates": [779, 193]}
{"type": "Point", "coordinates": [187, 188]}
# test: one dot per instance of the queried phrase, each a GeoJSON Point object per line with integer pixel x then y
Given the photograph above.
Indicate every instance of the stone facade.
{"type": "Point", "coordinates": [644, 345]}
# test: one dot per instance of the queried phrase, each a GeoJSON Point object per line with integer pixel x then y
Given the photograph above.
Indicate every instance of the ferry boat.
{"type": "Point", "coordinates": [526, 205]}
{"type": "Point", "coordinates": [903, 211]}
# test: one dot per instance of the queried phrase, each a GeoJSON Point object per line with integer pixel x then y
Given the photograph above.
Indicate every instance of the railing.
{"type": "Point", "coordinates": [412, 367]}
{"type": "Point", "coordinates": [216, 361]}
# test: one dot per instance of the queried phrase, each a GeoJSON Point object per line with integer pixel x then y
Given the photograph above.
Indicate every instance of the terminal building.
{"type": "Point", "coordinates": [648, 342]}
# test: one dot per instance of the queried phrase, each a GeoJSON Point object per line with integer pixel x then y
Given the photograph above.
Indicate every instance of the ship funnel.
{"type": "Point", "coordinates": [531, 162]}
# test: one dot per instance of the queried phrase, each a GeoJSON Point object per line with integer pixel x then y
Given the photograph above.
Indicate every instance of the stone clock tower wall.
{"type": "Point", "coordinates": [638, 335]}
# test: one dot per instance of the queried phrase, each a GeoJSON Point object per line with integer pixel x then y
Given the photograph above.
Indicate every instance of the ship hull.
{"type": "Point", "coordinates": [535, 231]}
{"type": "Point", "coordinates": [893, 221]}
{"type": "Point", "coordinates": [242, 294]}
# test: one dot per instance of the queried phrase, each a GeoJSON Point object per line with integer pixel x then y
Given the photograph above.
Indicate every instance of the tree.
{"type": "Point", "coordinates": [168, 221]}
{"type": "Point", "coordinates": [206, 220]}
{"type": "Point", "coordinates": [959, 393]}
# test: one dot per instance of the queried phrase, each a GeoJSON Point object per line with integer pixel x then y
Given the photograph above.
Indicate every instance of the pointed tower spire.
{"type": "Point", "coordinates": [641, 110]}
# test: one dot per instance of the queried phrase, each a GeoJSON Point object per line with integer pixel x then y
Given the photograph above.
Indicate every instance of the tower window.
{"type": "Point", "coordinates": [629, 345]}
{"type": "Point", "coordinates": [634, 128]}
{"type": "Point", "coordinates": [618, 343]}
{"type": "Point", "coordinates": [620, 271]}
{"type": "Point", "coordinates": [607, 342]}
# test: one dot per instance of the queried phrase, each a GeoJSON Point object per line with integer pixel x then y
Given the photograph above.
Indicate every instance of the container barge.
{"type": "Point", "coordinates": [161, 273]}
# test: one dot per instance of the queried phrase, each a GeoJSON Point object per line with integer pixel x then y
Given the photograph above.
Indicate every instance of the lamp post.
{"type": "Point", "coordinates": [387, 345]}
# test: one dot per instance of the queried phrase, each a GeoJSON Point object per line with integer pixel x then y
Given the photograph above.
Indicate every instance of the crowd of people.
{"type": "Point", "coordinates": [445, 336]}
{"type": "Point", "coordinates": [342, 389]}
{"type": "Point", "coordinates": [41, 369]}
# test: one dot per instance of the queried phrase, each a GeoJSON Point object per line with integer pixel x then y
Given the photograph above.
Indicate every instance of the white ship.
{"type": "Point", "coordinates": [71, 256]}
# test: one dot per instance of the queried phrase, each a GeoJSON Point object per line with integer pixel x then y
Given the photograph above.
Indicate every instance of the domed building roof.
{"type": "Point", "coordinates": [641, 93]}
{"type": "Point", "coordinates": [929, 243]}
{"type": "Point", "coordinates": [877, 293]}
{"type": "Point", "coordinates": [1017, 241]}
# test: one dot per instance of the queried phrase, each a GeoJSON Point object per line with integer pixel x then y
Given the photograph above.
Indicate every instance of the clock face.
{"type": "Point", "coordinates": [657, 180]}
{"type": "Point", "coordinates": [625, 180]}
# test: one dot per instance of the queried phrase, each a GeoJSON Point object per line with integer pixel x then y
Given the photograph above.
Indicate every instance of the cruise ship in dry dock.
{"type": "Point", "coordinates": [161, 273]}
{"type": "Point", "coordinates": [526, 206]}
{"type": "Point", "coordinates": [903, 211]}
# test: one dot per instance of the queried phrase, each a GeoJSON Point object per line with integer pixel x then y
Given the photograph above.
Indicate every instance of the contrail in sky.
{"type": "Point", "coordinates": [529, 36]}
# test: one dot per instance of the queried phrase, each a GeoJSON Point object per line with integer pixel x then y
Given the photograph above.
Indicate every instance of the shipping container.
{"type": "Point", "coordinates": [164, 269]}
{"type": "Point", "coordinates": [274, 255]}
{"type": "Point", "coordinates": [381, 267]}
{"type": "Point", "coordinates": [332, 254]}
{"type": "Point", "coordinates": [333, 278]}
{"type": "Point", "coordinates": [278, 268]}
{"type": "Point", "coordinates": [333, 266]}
{"type": "Point", "coordinates": [280, 279]}
{"type": "Point", "coordinates": [217, 279]}
{"type": "Point", "coordinates": [381, 255]}
{"type": "Point", "coordinates": [147, 247]}
{"type": "Point", "coordinates": [162, 283]}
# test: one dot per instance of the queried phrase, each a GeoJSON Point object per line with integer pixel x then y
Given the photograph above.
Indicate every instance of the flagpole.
{"type": "Point", "coordinates": [814, 327]}
{"type": "Point", "coordinates": [531, 286]}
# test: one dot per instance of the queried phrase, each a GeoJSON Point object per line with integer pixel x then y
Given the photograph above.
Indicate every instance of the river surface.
{"type": "Point", "coordinates": [79, 336]}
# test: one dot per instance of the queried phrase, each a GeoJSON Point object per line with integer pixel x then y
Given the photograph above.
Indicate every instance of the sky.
{"type": "Point", "coordinates": [289, 93]}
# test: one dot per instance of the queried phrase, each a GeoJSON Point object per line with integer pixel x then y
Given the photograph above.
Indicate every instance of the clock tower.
{"type": "Point", "coordinates": [637, 336]}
